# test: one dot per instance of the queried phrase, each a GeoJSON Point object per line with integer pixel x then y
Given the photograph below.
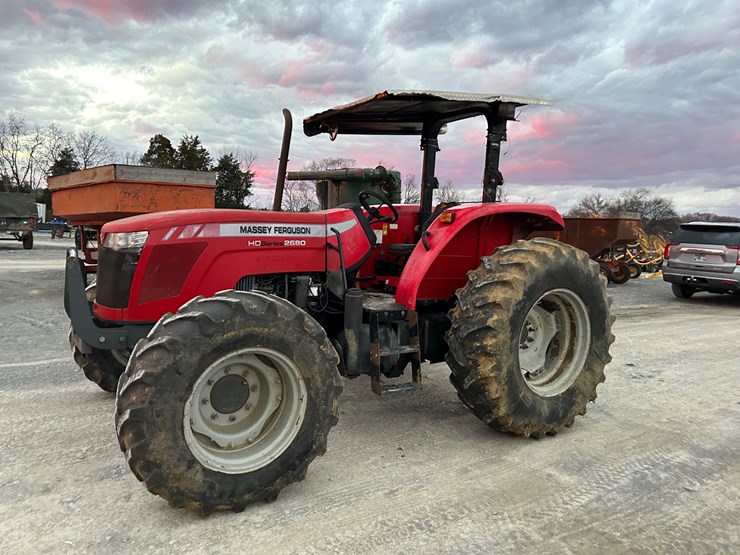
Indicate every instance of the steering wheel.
{"type": "Point", "coordinates": [374, 211]}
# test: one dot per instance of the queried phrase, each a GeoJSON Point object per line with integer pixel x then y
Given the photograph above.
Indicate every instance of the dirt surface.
{"type": "Point", "coordinates": [654, 466]}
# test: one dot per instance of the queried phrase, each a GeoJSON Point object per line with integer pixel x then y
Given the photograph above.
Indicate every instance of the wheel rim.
{"type": "Point", "coordinates": [245, 410]}
{"type": "Point", "coordinates": [554, 342]}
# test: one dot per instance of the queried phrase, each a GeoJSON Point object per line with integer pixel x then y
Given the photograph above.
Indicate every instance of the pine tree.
{"type": "Point", "coordinates": [65, 163]}
{"type": "Point", "coordinates": [160, 154]}
{"type": "Point", "coordinates": [232, 184]}
{"type": "Point", "coordinates": [192, 155]}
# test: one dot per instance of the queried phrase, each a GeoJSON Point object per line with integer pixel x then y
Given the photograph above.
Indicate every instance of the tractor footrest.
{"type": "Point", "coordinates": [399, 387]}
{"type": "Point", "coordinates": [401, 350]}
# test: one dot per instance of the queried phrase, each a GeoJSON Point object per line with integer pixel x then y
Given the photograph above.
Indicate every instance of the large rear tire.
{"type": "Point", "coordinates": [101, 366]}
{"type": "Point", "coordinates": [530, 336]}
{"type": "Point", "coordinates": [227, 401]}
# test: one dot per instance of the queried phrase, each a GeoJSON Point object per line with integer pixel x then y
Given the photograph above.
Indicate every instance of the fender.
{"type": "Point", "coordinates": [455, 248]}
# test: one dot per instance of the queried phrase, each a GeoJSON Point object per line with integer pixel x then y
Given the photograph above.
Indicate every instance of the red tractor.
{"type": "Point", "coordinates": [238, 325]}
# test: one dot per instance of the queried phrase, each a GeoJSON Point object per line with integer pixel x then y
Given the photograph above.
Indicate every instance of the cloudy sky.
{"type": "Point", "coordinates": [647, 93]}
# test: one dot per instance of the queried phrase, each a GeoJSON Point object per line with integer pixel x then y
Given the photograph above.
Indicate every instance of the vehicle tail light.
{"type": "Point", "coordinates": [737, 248]}
{"type": "Point", "coordinates": [666, 251]}
{"type": "Point", "coordinates": [168, 268]}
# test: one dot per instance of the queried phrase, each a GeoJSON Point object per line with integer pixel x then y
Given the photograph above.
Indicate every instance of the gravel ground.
{"type": "Point", "coordinates": [652, 468]}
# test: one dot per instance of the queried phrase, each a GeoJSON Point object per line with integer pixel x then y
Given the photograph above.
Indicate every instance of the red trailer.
{"type": "Point", "coordinates": [92, 197]}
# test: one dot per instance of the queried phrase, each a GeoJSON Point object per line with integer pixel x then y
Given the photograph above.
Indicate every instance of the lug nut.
{"type": "Point", "coordinates": [204, 400]}
{"type": "Point", "coordinates": [214, 416]}
{"type": "Point", "coordinates": [248, 407]}
{"type": "Point", "coordinates": [232, 418]}
{"type": "Point", "coordinates": [253, 388]}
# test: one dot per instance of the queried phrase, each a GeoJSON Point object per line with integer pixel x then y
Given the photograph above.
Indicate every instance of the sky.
{"type": "Point", "coordinates": [646, 93]}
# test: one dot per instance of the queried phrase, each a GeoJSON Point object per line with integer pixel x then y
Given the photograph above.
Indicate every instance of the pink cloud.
{"type": "Point", "coordinates": [35, 17]}
{"type": "Point", "coordinates": [472, 59]}
{"type": "Point", "coordinates": [548, 126]}
{"type": "Point", "coordinates": [113, 12]}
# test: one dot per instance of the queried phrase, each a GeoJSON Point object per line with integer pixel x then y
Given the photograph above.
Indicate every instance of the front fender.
{"type": "Point", "coordinates": [456, 248]}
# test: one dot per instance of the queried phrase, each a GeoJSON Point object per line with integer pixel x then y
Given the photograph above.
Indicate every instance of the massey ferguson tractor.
{"type": "Point", "coordinates": [231, 330]}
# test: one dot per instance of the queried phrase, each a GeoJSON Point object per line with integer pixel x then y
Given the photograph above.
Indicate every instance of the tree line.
{"type": "Point", "coordinates": [658, 214]}
{"type": "Point", "coordinates": [30, 153]}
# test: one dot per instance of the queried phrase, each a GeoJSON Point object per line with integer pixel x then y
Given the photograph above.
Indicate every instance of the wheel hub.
{"type": "Point", "coordinates": [229, 394]}
{"type": "Point", "coordinates": [554, 342]}
{"type": "Point", "coordinates": [244, 410]}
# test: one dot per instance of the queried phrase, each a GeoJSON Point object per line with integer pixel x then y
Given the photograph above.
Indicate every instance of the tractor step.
{"type": "Point", "coordinates": [384, 308]}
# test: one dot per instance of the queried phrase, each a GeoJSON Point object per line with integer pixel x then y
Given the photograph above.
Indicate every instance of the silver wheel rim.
{"type": "Point", "coordinates": [245, 410]}
{"type": "Point", "coordinates": [554, 342]}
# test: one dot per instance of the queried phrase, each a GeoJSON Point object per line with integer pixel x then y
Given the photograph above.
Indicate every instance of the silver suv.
{"type": "Point", "coordinates": [703, 256]}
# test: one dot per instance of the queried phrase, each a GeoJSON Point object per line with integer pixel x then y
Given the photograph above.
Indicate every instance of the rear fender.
{"type": "Point", "coordinates": [456, 248]}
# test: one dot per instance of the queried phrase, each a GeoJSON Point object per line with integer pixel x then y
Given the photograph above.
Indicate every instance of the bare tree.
{"type": "Point", "coordinates": [591, 206]}
{"type": "Point", "coordinates": [411, 193]}
{"type": "Point", "coordinates": [657, 213]}
{"type": "Point", "coordinates": [128, 158]}
{"type": "Point", "coordinates": [20, 152]}
{"type": "Point", "coordinates": [300, 196]}
{"type": "Point", "coordinates": [448, 193]}
{"type": "Point", "coordinates": [92, 149]}
{"type": "Point", "coordinates": [56, 141]}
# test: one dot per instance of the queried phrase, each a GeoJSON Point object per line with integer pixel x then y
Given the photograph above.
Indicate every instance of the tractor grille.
{"type": "Point", "coordinates": [115, 273]}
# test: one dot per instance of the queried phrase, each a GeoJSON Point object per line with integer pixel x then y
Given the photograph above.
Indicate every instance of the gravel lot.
{"type": "Point", "coordinates": [652, 468]}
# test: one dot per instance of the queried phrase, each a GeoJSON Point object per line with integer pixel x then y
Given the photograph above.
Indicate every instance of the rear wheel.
{"type": "Point", "coordinates": [634, 270]}
{"type": "Point", "coordinates": [530, 337]}
{"type": "Point", "coordinates": [28, 241]}
{"type": "Point", "coordinates": [227, 401]}
{"type": "Point", "coordinates": [682, 291]}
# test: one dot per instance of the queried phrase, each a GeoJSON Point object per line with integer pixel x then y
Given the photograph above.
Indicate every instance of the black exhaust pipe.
{"type": "Point", "coordinates": [283, 165]}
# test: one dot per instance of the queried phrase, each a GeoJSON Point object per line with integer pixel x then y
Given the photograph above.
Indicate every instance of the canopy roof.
{"type": "Point", "coordinates": [397, 112]}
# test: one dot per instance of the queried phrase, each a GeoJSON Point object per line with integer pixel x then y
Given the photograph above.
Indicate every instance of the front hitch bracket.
{"type": "Point", "coordinates": [80, 314]}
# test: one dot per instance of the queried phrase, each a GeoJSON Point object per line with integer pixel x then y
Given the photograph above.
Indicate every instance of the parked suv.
{"type": "Point", "coordinates": [703, 256]}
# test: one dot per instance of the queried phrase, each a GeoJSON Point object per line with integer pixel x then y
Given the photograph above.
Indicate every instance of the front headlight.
{"type": "Point", "coordinates": [132, 241]}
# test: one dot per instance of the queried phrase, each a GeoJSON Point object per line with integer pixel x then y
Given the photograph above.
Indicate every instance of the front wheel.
{"type": "Point", "coordinates": [227, 401]}
{"type": "Point", "coordinates": [101, 366]}
{"type": "Point", "coordinates": [530, 337]}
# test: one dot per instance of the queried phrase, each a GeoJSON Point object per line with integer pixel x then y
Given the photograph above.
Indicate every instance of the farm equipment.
{"type": "Point", "coordinates": [241, 324]}
{"type": "Point", "coordinates": [604, 239]}
{"type": "Point", "coordinates": [92, 197]}
{"type": "Point", "coordinates": [645, 253]}
{"type": "Point", "coordinates": [18, 218]}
